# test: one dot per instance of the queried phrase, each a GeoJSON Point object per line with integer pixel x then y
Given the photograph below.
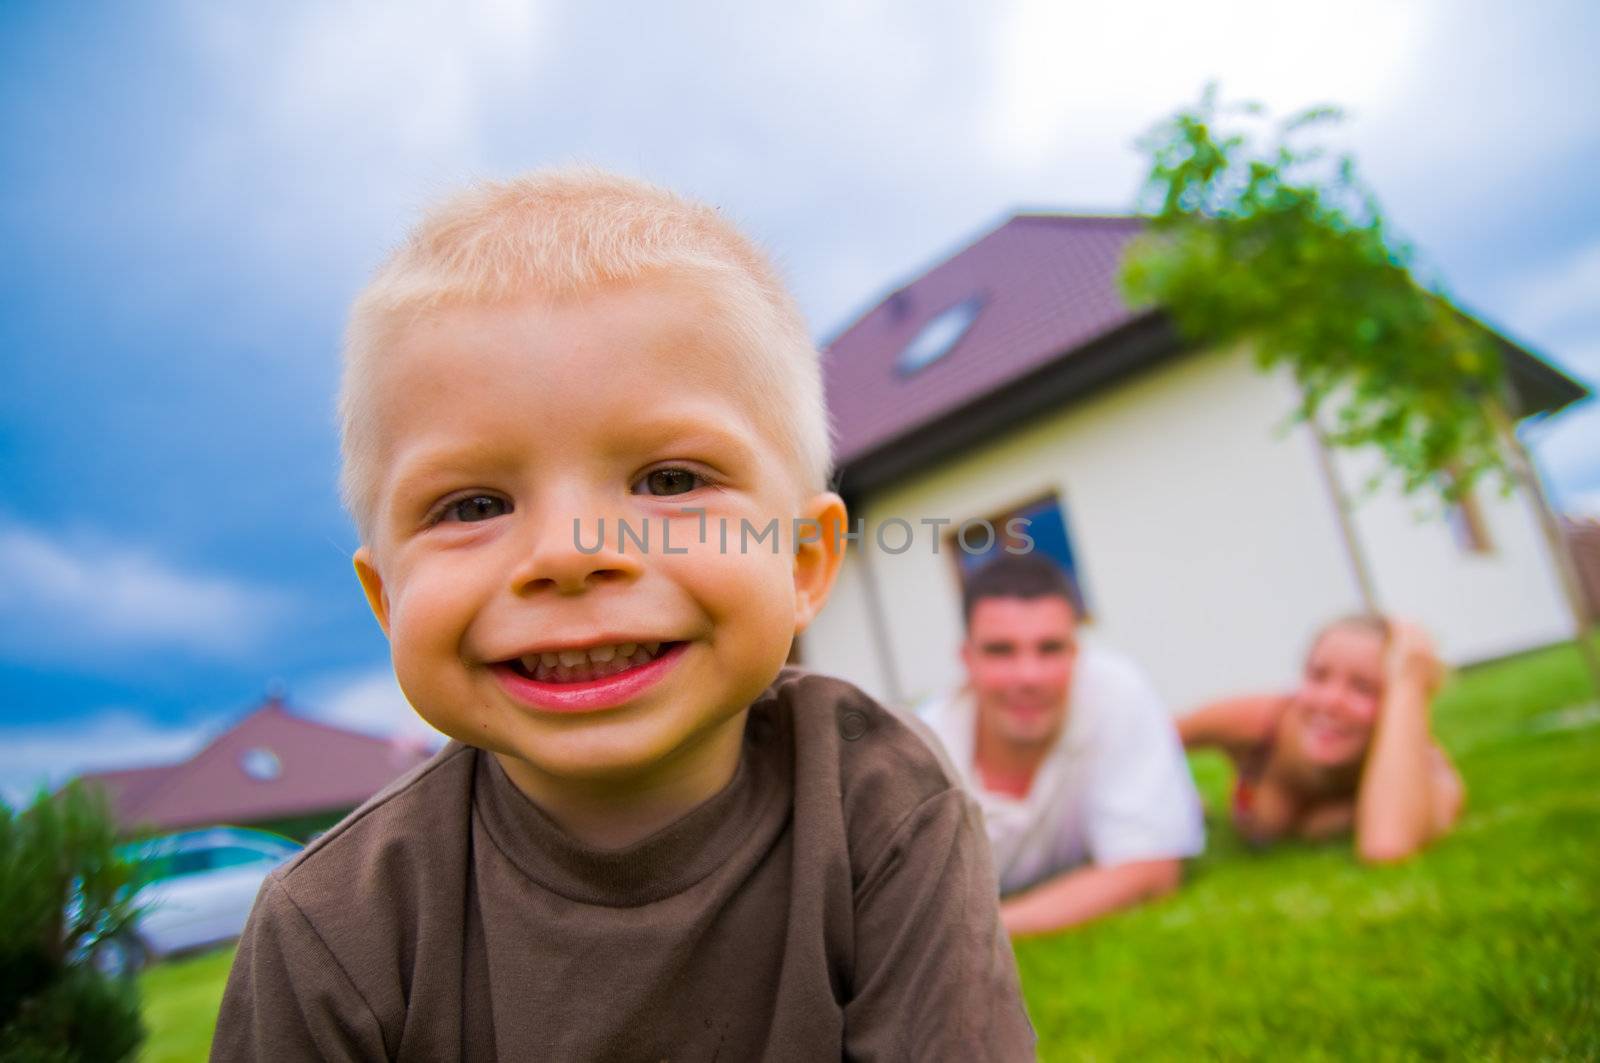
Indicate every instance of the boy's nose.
{"type": "Point", "coordinates": [567, 559]}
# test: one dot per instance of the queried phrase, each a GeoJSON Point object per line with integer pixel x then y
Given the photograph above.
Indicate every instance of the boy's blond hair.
{"type": "Point", "coordinates": [559, 233]}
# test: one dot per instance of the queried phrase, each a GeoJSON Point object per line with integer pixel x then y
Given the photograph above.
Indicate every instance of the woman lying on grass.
{"type": "Point", "coordinates": [1351, 748]}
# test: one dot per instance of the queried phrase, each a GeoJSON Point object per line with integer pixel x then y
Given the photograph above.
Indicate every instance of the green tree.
{"type": "Point", "coordinates": [63, 890]}
{"type": "Point", "coordinates": [1259, 240]}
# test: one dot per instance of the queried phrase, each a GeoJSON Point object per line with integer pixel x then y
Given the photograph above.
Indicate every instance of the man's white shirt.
{"type": "Point", "coordinates": [1114, 788]}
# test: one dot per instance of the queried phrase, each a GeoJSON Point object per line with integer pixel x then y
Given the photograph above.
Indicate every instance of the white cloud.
{"type": "Point", "coordinates": [1584, 503]}
{"type": "Point", "coordinates": [1566, 452]}
{"type": "Point", "coordinates": [89, 598]}
{"type": "Point", "coordinates": [349, 114]}
{"type": "Point", "coordinates": [369, 702]}
{"type": "Point", "coordinates": [1076, 80]}
{"type": "Point", "coordinates": [1565, 293]}
{"type": "Point", "coordinates": [49, 754]}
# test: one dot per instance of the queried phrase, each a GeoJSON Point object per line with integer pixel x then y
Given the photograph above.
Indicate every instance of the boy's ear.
{"type": "Point", "coordinates": [816, 560]}
{"type": "Point", "coordinates": [372, 584]}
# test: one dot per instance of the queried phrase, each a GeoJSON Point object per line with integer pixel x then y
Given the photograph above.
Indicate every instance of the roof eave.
{"type": "Point", "coordinates": [1537, 387]}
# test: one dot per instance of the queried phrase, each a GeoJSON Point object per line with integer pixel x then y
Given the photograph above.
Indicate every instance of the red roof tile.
{"type": "Point", "coordinates": [318, 768]}
{"type": "Point", "coordinates": [1049, 287]}
{"type": "Point", "coordinates": [126, 788]}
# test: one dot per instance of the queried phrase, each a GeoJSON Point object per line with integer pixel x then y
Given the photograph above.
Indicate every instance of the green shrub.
{"type": "Point", "coordinates": [63, 891]}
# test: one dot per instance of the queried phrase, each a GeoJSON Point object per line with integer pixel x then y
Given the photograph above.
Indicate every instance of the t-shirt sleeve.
{"type": "Point", "coordinates": [1141, 800]}
{"type": "Point", "coordinates": [287, 995]}
{"type": "Point", "coordinates": [934, 975]}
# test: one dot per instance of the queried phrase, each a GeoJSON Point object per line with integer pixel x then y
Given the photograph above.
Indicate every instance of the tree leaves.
{"type": "Point", "coordinates": [63, 889]}
{"type": "Point", "coordinates": [1282, 246]}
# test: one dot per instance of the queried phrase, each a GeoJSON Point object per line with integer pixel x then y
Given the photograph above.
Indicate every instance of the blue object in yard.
{"type": "Point", "coordinates": [198, 887]}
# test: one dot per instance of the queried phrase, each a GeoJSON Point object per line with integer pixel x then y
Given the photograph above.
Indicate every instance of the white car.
{"type": "Point", "coordinates": [199, 886]}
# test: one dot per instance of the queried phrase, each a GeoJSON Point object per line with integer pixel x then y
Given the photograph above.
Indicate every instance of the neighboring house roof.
{"type": "Point", "coordinates": [269, 765]}
{"type": "Point", "coordinates": [1051, 325]}
{"type": "Point", "coordinates": [1583, 540]}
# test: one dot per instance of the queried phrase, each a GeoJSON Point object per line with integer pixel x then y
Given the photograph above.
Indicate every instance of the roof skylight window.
{"type": "Point", "coordinates": [261, 763]}
{"type": "Point", "coordinates": [939, 336]}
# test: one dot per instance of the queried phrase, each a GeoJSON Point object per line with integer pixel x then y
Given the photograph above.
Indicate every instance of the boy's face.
{"type": "Point", "coordinates": [496, 427]}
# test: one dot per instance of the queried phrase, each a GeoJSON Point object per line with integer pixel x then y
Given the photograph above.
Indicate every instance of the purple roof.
{"type": "Point", "coordinates": [1048, 285]}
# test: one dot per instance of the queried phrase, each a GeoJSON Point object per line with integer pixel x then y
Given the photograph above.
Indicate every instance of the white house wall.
{"type": "Point", "coordinates": [840, 640]}
{"type": "Point", "coordinates": [1477, 605]}
{"type": "Point", "coordinates": [1206, 540]}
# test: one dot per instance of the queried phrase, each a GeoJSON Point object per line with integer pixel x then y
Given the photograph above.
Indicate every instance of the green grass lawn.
{"type": "Point", "coordinates": [180, 1006]}
{"type": "Point", "coordinates": [1486, 947]}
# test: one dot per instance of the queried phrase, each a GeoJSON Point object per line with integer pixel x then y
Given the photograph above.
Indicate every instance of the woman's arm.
{"type": "Point", "coordinates": [1409, 793]}
{"type": "Point", "coordinates": [1232, 724]}
{"type": "Point", "coordinates": [1449, 792]}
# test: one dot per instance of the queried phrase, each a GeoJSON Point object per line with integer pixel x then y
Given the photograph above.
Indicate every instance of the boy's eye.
{"type": "Point", "coordinates": [475, 508]}
{"type": "Point", "coordinates": [669, 482]}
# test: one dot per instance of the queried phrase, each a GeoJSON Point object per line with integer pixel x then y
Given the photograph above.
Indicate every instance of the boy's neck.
{"type": "Point", "coordinates": [613, 814]}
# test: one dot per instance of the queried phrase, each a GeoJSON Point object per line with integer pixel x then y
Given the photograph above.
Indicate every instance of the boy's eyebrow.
{"type": "Point", "coordinates": [684, 431]}
{"type": "Point", "coordinates": [414, 468]}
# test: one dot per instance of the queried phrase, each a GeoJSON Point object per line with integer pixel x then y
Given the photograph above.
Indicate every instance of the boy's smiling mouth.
{"type": "Point", "coordinates": [587, 679]}
{"type": "Point", "coordinates": [592, 662]}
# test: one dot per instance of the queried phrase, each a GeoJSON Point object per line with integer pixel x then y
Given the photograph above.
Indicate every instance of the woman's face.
{"type": "Point", "coordinates": [1337, 703]}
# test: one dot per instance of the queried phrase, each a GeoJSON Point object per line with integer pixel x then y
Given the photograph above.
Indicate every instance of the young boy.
{"type": "Point", "coordinates": [586, 452]}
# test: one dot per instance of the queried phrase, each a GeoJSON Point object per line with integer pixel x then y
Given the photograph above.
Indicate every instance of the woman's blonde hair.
{"type": "Point", "coordinates": [1372, 623]}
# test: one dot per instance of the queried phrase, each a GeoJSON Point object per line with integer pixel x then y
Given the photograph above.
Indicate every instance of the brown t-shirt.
{"type": "Point", "coordinates": [835, 900]}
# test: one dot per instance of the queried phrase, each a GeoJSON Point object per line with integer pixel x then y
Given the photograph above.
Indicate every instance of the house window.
{"type": "Point", "coordinates": [1468, 525]}
{"type": "Point", "coordinates": [1046, 524]}
{"type": "Point", "coordinates": [939, 336]}
{"type": "Point", "coordinates": [261, 763]}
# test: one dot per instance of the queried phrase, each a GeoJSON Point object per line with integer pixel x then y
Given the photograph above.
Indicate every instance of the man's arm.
{"type": "Point", "coordinates": [1088, 893]}
{"type": "Point", "coordinates": [1142, 816]}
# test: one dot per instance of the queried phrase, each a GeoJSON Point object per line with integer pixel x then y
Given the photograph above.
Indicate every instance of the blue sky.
{"type": "Point", "coordinates": [193, 192]}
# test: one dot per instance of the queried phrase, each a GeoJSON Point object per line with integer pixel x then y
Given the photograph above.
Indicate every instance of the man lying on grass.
{"type": "Point", "coordinates": [1087, 799]}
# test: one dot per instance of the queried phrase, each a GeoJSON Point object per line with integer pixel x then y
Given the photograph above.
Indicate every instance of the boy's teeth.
{"type": "Point", "coordinates": [570, 666]}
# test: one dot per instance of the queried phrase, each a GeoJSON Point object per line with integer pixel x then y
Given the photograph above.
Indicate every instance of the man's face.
{"type": "Point", "coordinates": [1019, 655]}
{"type": "Point", "coordinates": [497, 429]}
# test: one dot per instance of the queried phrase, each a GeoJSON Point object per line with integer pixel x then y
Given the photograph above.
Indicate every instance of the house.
{"type": "Point", "coordinates": [1207, 535]}
{"type": "Point", "coordinates": [273, 769]}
